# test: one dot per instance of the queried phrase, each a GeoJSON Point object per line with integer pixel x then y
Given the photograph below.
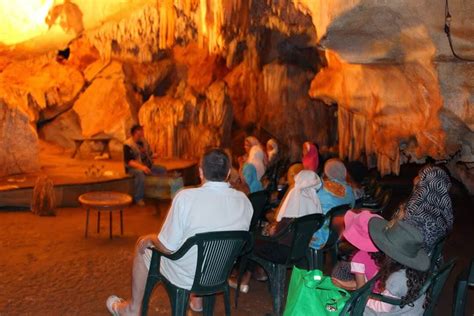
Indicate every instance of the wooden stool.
{"type": "Point", "coordinates": [105, 201]}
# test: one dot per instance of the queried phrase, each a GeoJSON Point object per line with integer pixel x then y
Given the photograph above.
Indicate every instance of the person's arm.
{"type": "Point", "coordinates": [360, 280]}
{"type": "Point", "coordinates": [151, 240]}
{"type": "Point", "coordinates": [135, 164]}
{"type": "Point", "coordinates": [358, 269]}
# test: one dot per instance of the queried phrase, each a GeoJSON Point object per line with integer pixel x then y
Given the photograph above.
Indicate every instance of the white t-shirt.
{"type": "Point", "coordinates": [212, 207]}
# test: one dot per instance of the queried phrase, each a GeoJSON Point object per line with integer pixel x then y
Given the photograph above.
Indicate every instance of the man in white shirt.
{"type": "Point", "coordinates": [213, 206]}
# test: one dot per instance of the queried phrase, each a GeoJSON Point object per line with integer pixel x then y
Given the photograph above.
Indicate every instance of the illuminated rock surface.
{"type": "Point", "coordinates": [197, 74]}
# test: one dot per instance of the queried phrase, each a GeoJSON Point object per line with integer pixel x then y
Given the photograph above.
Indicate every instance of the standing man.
{"type": "Point", "coordinates": [214, 206]}
{"type": "Point", "coordinates": [138, 159]}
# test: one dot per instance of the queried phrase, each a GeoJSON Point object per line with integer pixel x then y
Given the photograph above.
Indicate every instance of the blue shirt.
{"type": "Point", "coordinates": [250, 175]}
{"type": "Point", "coordinates": [329, 201]}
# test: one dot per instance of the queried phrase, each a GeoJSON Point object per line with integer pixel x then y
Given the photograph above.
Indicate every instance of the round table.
{"type": "Point", "coordinates": [105, 201]}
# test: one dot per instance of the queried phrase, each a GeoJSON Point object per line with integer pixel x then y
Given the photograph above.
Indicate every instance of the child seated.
{"type": "Point", "coordinates": [365, 263]}
{"type": "Point", "coordinates": [404, 271]}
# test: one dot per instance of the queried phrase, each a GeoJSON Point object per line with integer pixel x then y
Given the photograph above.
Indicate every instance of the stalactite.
{"type": "Point", "coordinates": [188, 125]}
{"type": "Point", "coordinates": [168, 17]}
{"type": "Point", "coordinates": [135, 37]}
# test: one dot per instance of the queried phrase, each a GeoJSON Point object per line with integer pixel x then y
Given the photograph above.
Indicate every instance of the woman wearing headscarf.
{"type": "Point", "coordinates": [252, 164]}
{"type": "Point", "coordinates": [300, 201]}
{"type": "Point", "coordinates": [275, 168]}
{"type": "Point", "coordinates": [257, 159]}
{"type": "Point", "coordinates": [249, 176]}
{"type": "Point", "coordinates": [429, 207]}
{"type": "Point", "coordinates": [310, 156]}
{"type": "Point", "coordinates": [334, 192]}
{"type": "Point", "coordinates": [272, 150]}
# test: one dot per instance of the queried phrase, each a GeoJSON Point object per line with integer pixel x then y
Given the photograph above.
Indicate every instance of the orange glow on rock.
{"type": "Point", "coordinates": [21, 20]}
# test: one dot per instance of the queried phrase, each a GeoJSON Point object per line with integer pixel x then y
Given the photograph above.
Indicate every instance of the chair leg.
{"type": "Point", "coordinates": [150, 285]}
{"type": "Point", "coordinates": [98, 221]}
{"type": "Point", "coordinates": [208, 304]}
{"type": "Point", "coordinates": [227, 301]}
{"type": "Point", "coordinates": [87, 223]}
{"type": "Point", "coordinates": [121, 222]}
{"type": "Point", "coordinates": [242, 269]}
{"type": "Point", "coordinates": [310, 258]}
{"type": "Point", "coordinates": [179, 299]}
{"type": "Point", "coordinates": [460, 296]}
{"type": "Point", "coordinates": [277, 284]}
{"type": "Point", "coordinates": [318, 258]}
{"type": "Point", "coordinates": [110, 226]}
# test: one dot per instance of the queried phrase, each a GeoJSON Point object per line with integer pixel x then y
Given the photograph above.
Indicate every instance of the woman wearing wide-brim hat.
{"type": "Point", "coordinates": [404, 271]}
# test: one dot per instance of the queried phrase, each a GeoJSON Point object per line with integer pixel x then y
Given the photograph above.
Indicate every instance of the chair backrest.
{"type": "Point", "coordinates": [331, 215]}
{"type": "Point", "coordinates": [436, 253]}
{"type": "Point", "coordinates": [437, 282]}
{"type": "Point", "coordinates": [217, 252]}
{"type": "Point", "coordinates": [434, 283]}
{"type": "Point", "coordinates": [302, 230]}
{"type": "Point", "coordinates": [258, 200]}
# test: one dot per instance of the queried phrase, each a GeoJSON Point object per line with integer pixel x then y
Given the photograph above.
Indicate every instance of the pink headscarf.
{"type": "Point", "coordinates": [311, 159]}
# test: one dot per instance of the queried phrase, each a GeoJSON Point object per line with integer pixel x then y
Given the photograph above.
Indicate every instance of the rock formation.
{"type": "Point", "coordinates": [196, 75]}
{"type": "Point", "coordinates": [18, 140]}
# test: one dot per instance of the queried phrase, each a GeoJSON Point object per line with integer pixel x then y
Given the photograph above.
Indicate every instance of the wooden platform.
{"type": "Point", "coordinates": [75, 176]}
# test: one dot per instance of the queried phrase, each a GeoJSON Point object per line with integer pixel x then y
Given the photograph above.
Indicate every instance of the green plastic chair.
{"type": "Point", "coordinates": [435, 283]}
{"type": "Point", "coordinates": [301, 230]}
{"type": "Point", "coordinates": [258, 200]}
{"type": "Point", "coordinates": [464, 280]}
{"type": "Point", "coordinates": [436, 254]}
{"type": "Point", "coordinates": [316, 256]}
{"type": "Point", "coordinates": [216, 254]}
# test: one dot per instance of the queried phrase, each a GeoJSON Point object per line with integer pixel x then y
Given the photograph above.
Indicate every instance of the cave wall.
{"type": "Point", "coordinates": [392, 72]}
{"type": "Point", "coordinates": [195, 75]}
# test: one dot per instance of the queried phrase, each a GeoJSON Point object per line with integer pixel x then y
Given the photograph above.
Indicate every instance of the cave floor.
{"type": "Point", "coordinates": [47, 267]}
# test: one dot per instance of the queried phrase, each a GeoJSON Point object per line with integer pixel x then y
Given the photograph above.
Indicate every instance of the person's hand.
{"type": "Point", "coordinates": [143, 243]}
{"type": "Point", "coordinates": [146, 170]}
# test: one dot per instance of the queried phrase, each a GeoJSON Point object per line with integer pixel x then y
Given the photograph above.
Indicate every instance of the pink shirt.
{"type": "Point", "coordinates": [364, 264]}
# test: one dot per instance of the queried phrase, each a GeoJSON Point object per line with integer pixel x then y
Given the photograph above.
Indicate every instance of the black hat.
{"type": "Point", "coordinates": [401, 241]}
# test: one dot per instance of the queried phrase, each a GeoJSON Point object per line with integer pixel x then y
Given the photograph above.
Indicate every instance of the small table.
{"type": "Point", "coordinates": [104, 140]}
{"type": "Point", "coordinates": [105, 201]}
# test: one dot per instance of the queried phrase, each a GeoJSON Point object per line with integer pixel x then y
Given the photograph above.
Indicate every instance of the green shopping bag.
{"type": "Point", "coordinates": [312, 293]}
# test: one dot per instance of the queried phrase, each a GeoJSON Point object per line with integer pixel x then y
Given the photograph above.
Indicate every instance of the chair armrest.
{"type": "Point", "coordinates": [386, 299]}
{"type": "Point", "coordinates": [178, 254]}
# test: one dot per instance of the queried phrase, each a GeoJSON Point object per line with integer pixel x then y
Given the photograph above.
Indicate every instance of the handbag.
{"type": "Point", "coordinates": [312, 293]}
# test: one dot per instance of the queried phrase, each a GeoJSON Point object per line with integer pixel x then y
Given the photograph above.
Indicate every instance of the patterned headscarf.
{"type": "Point", "coordinates": [429, 207]}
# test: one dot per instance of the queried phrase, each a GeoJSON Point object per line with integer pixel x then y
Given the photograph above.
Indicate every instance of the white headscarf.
{"type": "Point", "coordinates": [257, 158]}
{"type": "Point", "coordinates": [302, 199]}
{"type": "Point", "coordinates": [271, 153]}
{"type": "Point", "coordinates": [253, 141]}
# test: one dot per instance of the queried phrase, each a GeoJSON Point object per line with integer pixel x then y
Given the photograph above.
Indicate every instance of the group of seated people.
{"type": "Point", "coordinates": [397, 250]}
{"type": "Point", "coordinates": [260, 168]}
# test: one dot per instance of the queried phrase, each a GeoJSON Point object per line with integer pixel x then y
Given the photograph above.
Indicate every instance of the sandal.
{"type": "Point", "coordinates": [111, 304]}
